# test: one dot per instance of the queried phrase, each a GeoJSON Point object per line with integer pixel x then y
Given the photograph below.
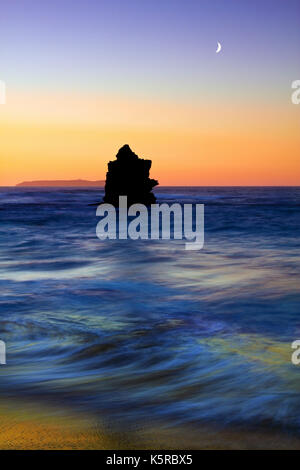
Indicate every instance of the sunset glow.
{"type": "Point", "coordinates": [223, 119]}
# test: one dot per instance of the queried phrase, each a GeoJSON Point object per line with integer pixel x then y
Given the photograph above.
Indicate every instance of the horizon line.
{"type": "Point", "coordinates": [170, 186]}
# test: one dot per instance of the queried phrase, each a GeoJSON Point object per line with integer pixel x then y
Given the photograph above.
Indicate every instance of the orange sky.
{"type": "Point", "coordinates": [70, 136]}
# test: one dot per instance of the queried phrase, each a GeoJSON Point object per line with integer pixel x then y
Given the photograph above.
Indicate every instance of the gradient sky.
{"type": "Point", "coordinates": [85, 77]}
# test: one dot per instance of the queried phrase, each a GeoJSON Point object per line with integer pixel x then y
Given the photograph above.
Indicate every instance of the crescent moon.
{"type": "Point", "coordinates": [218, 48]}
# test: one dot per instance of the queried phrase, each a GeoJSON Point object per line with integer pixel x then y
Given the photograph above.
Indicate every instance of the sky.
{"type": "Point", "coordinates": [85, 77]}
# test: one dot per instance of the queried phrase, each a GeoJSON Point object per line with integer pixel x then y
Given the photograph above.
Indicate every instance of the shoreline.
{"type": "Point", "coordinates": [26, 426]}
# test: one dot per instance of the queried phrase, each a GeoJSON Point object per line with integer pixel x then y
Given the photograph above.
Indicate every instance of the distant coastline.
{"type": "Point", "coordinates": [62, 183]}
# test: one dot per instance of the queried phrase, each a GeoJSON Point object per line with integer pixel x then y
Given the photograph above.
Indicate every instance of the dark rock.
{"type": "Point", "coordinates": [128, 175]}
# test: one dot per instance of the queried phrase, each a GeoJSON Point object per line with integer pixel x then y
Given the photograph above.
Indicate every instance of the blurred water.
{"type": "Point", "coordinates": [145, 330]}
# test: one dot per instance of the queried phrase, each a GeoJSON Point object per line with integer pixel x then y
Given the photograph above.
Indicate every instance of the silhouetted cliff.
{"type": "Point", "coordinates": [128, 175]}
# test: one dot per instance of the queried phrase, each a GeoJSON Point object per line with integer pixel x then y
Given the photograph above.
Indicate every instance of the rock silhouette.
{"type": "Point", "coordinates": [128, 175]}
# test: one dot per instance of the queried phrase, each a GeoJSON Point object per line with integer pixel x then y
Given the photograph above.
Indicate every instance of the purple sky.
{"type": "Point", "coordinates": [161, 48]}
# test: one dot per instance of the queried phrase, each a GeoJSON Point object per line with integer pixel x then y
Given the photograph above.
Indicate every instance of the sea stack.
{"type": "Point", "coordinates": [128, 175]}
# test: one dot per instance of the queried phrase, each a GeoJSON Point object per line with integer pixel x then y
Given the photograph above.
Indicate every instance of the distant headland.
{"type": "Point", "coordinates": [73, 183]}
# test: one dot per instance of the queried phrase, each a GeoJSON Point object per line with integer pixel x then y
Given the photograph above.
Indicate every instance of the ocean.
{"type": "Point", "coordinates": [143, 331]}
